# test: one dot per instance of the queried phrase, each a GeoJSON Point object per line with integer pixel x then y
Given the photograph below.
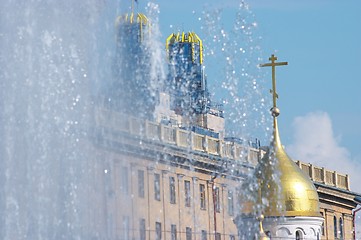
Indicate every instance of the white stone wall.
{"type": "Point", "coordinates": [287, 227]}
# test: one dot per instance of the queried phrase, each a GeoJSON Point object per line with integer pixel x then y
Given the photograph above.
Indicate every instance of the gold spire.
{"type": "Point", "coordinates": [294, 194]}
{"type": "Point", "coordinates": [261, 234]}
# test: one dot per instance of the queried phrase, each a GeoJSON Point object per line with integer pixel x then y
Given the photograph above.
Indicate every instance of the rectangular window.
{"type": "Point", "coordinates": [335, 226]}
{"type": "Point", "coordinates": [232, 237]}
{"type": "Point", "coordinates": [172, 190]}
{"type": "Point", "coordinates": [202, 195]}
{"type": "Point", "coordinates": [158, 231]}
{"type": "Point", "coordinates": [217, 199]}
{"type": "Point", "coordinates": [239, 200]}
{"type": "Point", "coordinates": [187, 192]}
{"type": "Point", "coordinates": [173, 232]}
{"type": "Point", "coordinates": [156, 186]}
{"type": "Point", "coordinates": [204, 235]}
{"type": "Point", "coordinates": [188, 233]}
{"type": "Point", "coordinates": [323, 225]}
{"type": "Point", "coordinates": [230, 203]}
{"type": "Point", "coordinates": [124, 185]}
{"type": "Point", "coordinates": [142, 229]}
{"type": "Point", "coordinates": [141, 183]}
{"type": "Point", "coordinates": [218, 236]}
{"type": "Point", "coordinates": [126, 228]}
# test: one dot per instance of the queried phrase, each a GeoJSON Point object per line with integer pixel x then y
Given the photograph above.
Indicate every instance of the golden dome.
{"type": "Point", "coordinates": [286, 187]}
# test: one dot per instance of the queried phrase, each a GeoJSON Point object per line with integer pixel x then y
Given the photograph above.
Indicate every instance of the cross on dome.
{"type": "Point", "coordinates": [273, 64]}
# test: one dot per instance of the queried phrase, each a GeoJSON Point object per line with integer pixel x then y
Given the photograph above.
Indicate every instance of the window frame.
{"type": "Point", "coordinates": [230, 203]}
{"type": "Point", "coordinates": [300, 235]}
{"type": "Point", "coordinates": [340, 222]}
{"type": "Point", "coordinates": [204, 235]}
{"type": "Point", "coordinates": [141, 184]}
{"type": "Point", "coordinates": [335, 227]}
{"type": "Point", "coordinates": [172, 190]}
{"type": "Point", "coordinates": [124, 184]}
{"type": "Point", "coordinates": [188, 233]}
{"type": "Point", "coordinates": [202, 196]}
{"type": "Point", "coordinates": [157, 186]}
{"type": "Point", "coordinates": [187, 193]}
{"type": "Point", "coordinates": [158, 230]}
{"type": "Point", "coordinates": [126, 227]}
{"type": "Point", "coordinates": [217, 199]}
{"type": "Point", "coordinates": [142, 229]}
{"type": "Point", "coordinates": [173, 231]}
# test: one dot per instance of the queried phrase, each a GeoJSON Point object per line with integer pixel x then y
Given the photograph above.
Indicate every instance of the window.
{"type": "Point", "coordinates": [323, 229]}
{"type": "Point", "coordinates": [173, 231]}
{"type": "Point", "coordinates": [124, 181]}
{"type": "Point", "coordinates": [334, 226]}
{"type": "Point", "coordinates": [204, 235]}
{"type": "Point", "coordinates": [126, 228]}
{"type": "Point", "coordinates": [141, 183]}
{"type": "Point", "coordinates": [157, 186]}
{"type": "Point", "coordinates": [158, 231]}
{"type": "Point", "coordinates": [187, 192]}
{"type": "Point", "coordinates": [232, 237]}
{"type": "Point", "coordinates": [202, 194]}
{"type": "Point", "coordinates": [341, 228]}
{"type": "Point", "coordinates": [108, 182]}
{"type": "Point", "coordinates": [172, 190]}
{"type": "Point", "coordinates": [217, 199]}
{"type": "Point", "coordinates": [218, 236]}
{"type": "Point", "coordinates": [230, 203]}
{"type": "Point", "coordinates": [188, 233]}
{"type": "Point", "coordinates": [323, 225]}
{"type": "Point", "coordinates": [142, 229]}
{"type": "Point", "coordinates": [299, 235]}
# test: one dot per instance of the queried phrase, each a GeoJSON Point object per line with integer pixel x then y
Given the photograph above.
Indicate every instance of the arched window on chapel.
{"type": "Point", "coordinates": [299, 235]}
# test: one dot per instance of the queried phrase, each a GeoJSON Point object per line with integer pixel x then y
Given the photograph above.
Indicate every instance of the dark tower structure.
{"type": "Point", "coordinates": [186, 82]}
{"type": "Point", "coordinates": [131, 91]}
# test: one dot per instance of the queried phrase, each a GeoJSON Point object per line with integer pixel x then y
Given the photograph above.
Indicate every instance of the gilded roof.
{"type": "Point", "coordinates": [289, 191]}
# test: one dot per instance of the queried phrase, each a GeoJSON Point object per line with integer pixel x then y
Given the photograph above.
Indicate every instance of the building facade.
{"type": "Point", "coordinates": [170, 172]}
{"type": "Point", "coordinates": [170, 183]}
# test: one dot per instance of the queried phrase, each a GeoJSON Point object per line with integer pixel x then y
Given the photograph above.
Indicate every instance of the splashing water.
{"type": "Point", "coordinates": [240, 49]}
{"type": "Point", "coordinates": [246, 101]}
{"type": "Point", "coordinates": [46, 167]}
{"type": "Point", "coordinates": [55, 57]}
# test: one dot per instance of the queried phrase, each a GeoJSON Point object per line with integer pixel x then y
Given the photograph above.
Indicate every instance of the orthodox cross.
{"type": "Point", "coordinates": [273, 64]}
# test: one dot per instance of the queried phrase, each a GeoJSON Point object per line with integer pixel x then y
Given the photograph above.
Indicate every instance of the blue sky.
{"type": "Point", "coordinates": [319, 90]}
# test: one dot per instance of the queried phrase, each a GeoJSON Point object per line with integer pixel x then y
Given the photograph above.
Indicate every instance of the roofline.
{"type": "Point", "coordinates": [358, 195]}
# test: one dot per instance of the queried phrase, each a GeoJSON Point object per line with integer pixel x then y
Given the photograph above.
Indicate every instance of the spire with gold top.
{"type": "Point", "coordinates": [130, 91]}
{"type": "Point", "coordinates": [137, 21]}
{"type": "Point", "coordinates": [186, 82]}
{"type": "Point", "coordinates": [292, 205]}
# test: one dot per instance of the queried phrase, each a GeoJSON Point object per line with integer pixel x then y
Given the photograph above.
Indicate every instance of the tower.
{"type": "Point", "coordinates": [286, 197]}
{"type": "Point", "coordinates": [293, 207]}
{"type": "Point", "coordinates": [131, 90]}
{"type": "Point", "coordinates": [186, 82]}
